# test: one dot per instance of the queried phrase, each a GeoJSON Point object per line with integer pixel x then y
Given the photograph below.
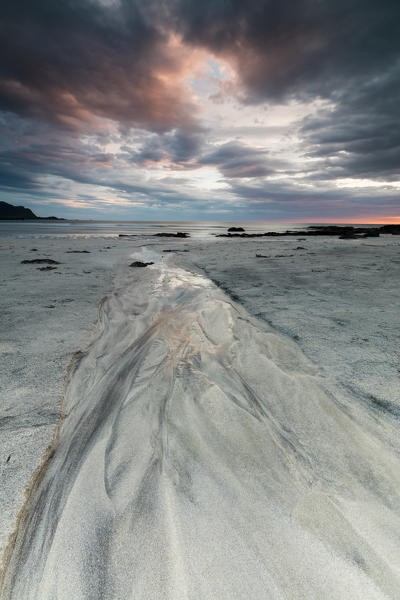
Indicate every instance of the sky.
{"type": "Point", "coordinates": [227, 110]}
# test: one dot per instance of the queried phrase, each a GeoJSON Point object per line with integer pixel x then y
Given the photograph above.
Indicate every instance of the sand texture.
{"type": "Point", "coordinates": [45, 317]}
{"type": "Point", "coordinates": [338, 299]}
{"type": "Point", "coordinates": [203, 455]}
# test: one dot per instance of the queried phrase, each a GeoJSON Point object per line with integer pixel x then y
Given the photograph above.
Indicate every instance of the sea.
{"type": "Point", "coordinates": [111, 229]}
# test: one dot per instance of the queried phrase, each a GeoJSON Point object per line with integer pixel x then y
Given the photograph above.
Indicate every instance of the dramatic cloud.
{"type": "Point", "coordinates": [237, 160]}
{"type": "Point", "coordinates": [73, 61]}
{"type": "Point", "coordinates": [177, 147]}
{"type": "Point", "coordinates": [361, 136]}
{"type": "Point", "coordinates": [258, 109]}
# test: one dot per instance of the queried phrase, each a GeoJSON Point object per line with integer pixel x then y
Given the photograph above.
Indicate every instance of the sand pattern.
{"type": "Point", "coordinates": [203, 456]}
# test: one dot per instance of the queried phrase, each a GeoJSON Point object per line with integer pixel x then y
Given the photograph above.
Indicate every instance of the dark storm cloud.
{"type": "Point", "coordinates": [62, 60]}
{"type": "Point", "coordinates": [29, 152]}
{"type": "Point", "coordinates": [177, 146]}
{"type": "Point", "coordinates": [189, 149]}
{"type": "Point", "coordinates": [360, 137]}
{"type": "Point", "coordinates": [234, 159]}
{"type": "Point", "coordinates": [13, 178]}
{"type": "Point", "coordinates": [67, 61]}
{"type": "Point", "coordinates": [345, 51]}
{"type": "Point", "coordinates": [283, 47]}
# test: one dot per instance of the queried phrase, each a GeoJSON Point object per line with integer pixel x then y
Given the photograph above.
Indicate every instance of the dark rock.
{"type": "Point", "coordinates": [78, 251]}
{"type": "Point", "coordinates": [330, 229]}
{"type": "Point", "coordinates": [126, 235]}
{"type": "Point", "coordinates": [33, 249]}
{"type": "Point", "coordinates": [346, 232]}
{"type": "Point", "coordinates": [393, 229]}
{"type": "Point", "coordinates": [46, 268]}
{"type": "Point", "coordinates": [372, 233]}
{"type": "Point", "coordinates": [261, 256]}
{"type": "Point", "coordinates": [350, 236]}
{"type": "Point", "coordinates": [300, 248]}
{"type": "Point", "coordinates": [176, 250]}
{"type": "Point", "coordinates": [245, 235]}
{"type": "Point", "coordinates": [138, 263]}
{"type": "Point", "coordinates": [39, 261]}
{"type": "Point", "coordinates": [234, 229]}
{"type": "Point", "coordinates": [179, 234]}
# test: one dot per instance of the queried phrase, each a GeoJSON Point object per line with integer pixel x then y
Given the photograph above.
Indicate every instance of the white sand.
{"type": "Point", "coordinates": [338, 299]}
{"type": "Point", "coordinates": [203, 455]}
{"type": "Point", "coordinates": [45, 318]}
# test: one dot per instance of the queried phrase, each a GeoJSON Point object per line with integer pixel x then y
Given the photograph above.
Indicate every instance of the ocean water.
{"type": "Point", "coordinates": [110, 229]}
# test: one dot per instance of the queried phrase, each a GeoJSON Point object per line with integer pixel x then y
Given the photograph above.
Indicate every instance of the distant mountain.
{"type": "Point", "coordinates": [8, 212]}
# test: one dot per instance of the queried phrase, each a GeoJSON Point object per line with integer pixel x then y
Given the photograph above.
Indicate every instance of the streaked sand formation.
{"type": "Point", "coordinates": [203, 456]}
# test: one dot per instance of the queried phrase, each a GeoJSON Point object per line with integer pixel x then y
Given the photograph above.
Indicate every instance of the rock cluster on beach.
{"type": "Point", "coordinates": [39, 261]}
{"type": "Point", "coordinates": [235, 230]}
{"type": "Point", "coordinates": [139, 263]}
{"type": "Point", "coordinates": [179, 234]}
{"type": "Point", "coordinates": [345, 232]}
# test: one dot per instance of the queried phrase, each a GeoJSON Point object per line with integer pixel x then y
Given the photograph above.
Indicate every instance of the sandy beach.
{"type": "Point", "coordinates": [229, 427]}
{"type": "Point", "coordinates": [46, 317]}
